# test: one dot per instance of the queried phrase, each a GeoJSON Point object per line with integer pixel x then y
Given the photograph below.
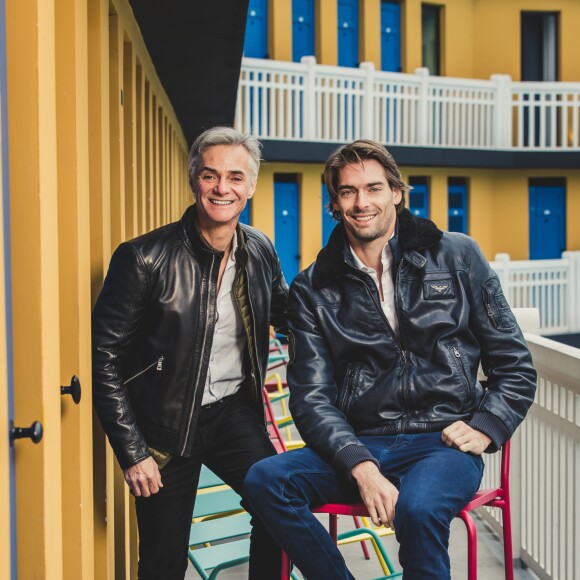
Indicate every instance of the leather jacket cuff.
{"type": "Point", "coordinates": [352, 455]}
{"type": "Point", "coordinates": [493, 427]}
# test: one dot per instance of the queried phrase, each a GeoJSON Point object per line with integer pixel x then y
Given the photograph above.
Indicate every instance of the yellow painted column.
{"type": "Point", "coordinates": [438, 203]}
{"type": "Point", "coordinates": [130, 139]}
{"type": "Point", "coordinates": [5, 536]}
{"type": "Point", "coordinates": [100, 232]}
{"type": "Point", "coordinates": [140, 158]}
{"type": "Point", "coordinates": [74, 283]}
{"type": "Point", "coordinates": [263, 202]}
{"type": "Point", "coordinates": [370, 36]}
{"type": "Point", "coordinates": [573, 211]}
{"type": "Point", "coordinates": [280, 30]}
{"type": "Point", "coordinates": [411, 52]}
{"type": "Point", "coordinates": [35, 288]}
{"type": "Point", "coordinates": [326, 33]}
{"type": "Point", "coordinates": [310, 214]}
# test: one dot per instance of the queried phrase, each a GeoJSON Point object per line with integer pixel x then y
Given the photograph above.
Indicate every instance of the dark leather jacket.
{"type": "Point", "coordinates": [153, 329]}
{"type": "Point", "coordinates": [350, 374]}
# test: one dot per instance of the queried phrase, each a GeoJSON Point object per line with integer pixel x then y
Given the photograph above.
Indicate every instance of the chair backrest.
{"type": "Point", "coordinates": [273, 430]}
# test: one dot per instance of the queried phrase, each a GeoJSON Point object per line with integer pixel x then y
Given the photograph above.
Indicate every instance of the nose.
{"type": "Point", "coordinates": [361, 200]}
{"type": "Point", "coordinates": [222, 186]}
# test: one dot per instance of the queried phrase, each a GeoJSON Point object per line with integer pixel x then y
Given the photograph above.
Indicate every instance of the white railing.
{"type": "Point", "coordinates": [545, 468]}
{"type": "Point", "coordinates": [310, 102]}
{"type": "Point", "coordinates": [552, 286]}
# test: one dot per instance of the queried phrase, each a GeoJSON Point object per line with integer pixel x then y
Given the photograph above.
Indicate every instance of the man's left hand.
{"type": "Point", "coordinates": [465, 438]}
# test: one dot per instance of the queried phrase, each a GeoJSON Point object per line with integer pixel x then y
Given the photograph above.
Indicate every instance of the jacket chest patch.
{"type": "Point", "coordinates": [438, 289]}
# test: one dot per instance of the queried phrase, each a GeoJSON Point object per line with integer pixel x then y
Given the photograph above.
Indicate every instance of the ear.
{"type": "Point", "coordinates": [252, 190]}
{"type": "Point", "coordinates": [397, 196]}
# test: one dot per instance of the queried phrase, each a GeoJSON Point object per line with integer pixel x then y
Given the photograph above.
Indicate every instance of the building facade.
{"type": "Point", "coordinates": [478, 101]}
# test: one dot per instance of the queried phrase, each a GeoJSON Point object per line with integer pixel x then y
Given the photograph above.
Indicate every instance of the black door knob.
{"type": "Point", "coordinates": [74, 389]}
{"type": "Point", "coordinates": [34, 432]}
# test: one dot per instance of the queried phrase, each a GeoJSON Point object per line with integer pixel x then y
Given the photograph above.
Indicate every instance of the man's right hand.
{"type": "Point", "coordinates": [143, 478]}
{"type": "Point", "coordinates": [377, 492]}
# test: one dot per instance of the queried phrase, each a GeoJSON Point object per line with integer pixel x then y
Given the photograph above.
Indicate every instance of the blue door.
{"type": "Point", "coordinates": [328, 222]}
{"type": "Point", "coordinates": [286, 233]}
{"type": "Point", "coordinates": [245, 216]}
{"type": "Point", "coordinates": [302, 29]}
{"type": "Point", "coordinates": [391, 36]}
{"type": "Point", "coordinates": [457, 204]}
{"type": "Point", "coordinates": [547, 221]}
{"type": "Point", "coordinates": [419, 199]}
{"type": "Point", "coordinates": [256, 38]}
{"type": "Point", "coordinates": [348, 33]}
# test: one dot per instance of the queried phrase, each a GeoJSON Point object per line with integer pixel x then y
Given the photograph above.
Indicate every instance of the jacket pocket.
{"type": "Point", "coordinates": [346, 396]}
{"type": "Point", "coordinates": [497, 308]}
{"type": "Point", "coordinates": [458, 361]}
{"type": "Point", "coordinates": [158, 365]}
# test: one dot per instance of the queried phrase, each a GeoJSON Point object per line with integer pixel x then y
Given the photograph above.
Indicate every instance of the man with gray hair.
{"type": "Point", "coordinates": [180, 348]}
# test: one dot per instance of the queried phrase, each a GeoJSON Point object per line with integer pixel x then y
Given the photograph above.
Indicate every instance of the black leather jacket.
{"type": "Point", "coordinates": [153, 329]}
{"type": "Point", "coordinates": [350, 374]}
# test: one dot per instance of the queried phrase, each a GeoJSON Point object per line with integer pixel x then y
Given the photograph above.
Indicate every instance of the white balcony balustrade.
{"type": "Point", "coordinates": [310, 102]}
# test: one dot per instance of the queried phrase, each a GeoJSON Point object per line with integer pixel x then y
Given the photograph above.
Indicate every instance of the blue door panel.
{"type": "Point", "coordinates": [348, 33]}
{"type": "Point", "coordinates": [547, 221]}
{"type": "Point", "coordinates": [245, 216]}
{"type": "Point", "coordinates": [457, 207]}
{"type": "Point", "coordinates": [256, 37]}
{"type": "Point", "coordinates": [419, 200]}
{"type": "Point", "coordinates": [328, 222]}
{"type": "Point", "coordinates": [302, 29]}
{"type": "Point", "coordinates": [286, 232]}
{"type": "Point", "coordinates": [391, 36]}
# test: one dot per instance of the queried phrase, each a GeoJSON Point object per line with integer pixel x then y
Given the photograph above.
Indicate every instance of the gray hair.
{"type": "Point", "coordinates": [223, 136]}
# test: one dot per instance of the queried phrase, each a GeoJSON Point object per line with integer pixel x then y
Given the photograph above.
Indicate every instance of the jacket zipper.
{"type": "Point", "coordinates": [459, 358]}
{"type": "Point", "coordinates": [196, 382]}
{"type": "Point", "coordinates": [158, 362]}
{"type": "Point", "coordinates": [348, 390]}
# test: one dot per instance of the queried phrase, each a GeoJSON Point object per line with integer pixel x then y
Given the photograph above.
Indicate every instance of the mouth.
{"type": "Point", "coordinates": [220, 202]}
{"type": "Point", "coordinates": [361, 219]}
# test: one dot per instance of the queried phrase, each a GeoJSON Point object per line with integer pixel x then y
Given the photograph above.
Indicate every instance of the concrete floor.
{"type": "Point", "coordinates": [490, 557]}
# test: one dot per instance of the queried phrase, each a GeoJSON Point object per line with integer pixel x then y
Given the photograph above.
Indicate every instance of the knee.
{"type": "Point", "coordinates": [260, 478]}
{"type": "Point", "coordinates": [417, 513]}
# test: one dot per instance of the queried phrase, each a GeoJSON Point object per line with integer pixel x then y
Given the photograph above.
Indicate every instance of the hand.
{"type": "Point", "coordinates": [465, 438]}
{"type": "Point", "coordinates": [377, 492]}
{"type": "Point", "coordinates": [143, 478]}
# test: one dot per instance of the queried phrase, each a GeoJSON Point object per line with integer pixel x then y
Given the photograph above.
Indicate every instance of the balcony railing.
{"type": "Point", "coordinates": [552, 286]}
{"type": "Point", "coordinates": [545, 467]}
{"type": "Point", "coordinates": [310, 102]}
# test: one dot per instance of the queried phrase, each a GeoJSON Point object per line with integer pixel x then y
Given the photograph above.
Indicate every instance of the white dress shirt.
{"type": "Point", "coordinates": [388, 301]}
{"type": "Point", "coordinates": [226, 361]}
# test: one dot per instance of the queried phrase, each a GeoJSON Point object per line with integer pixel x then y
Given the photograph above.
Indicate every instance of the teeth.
{"type": "Point", "coordinates": [364, 218]}
{"type": "Point", "coordinates": [216, 202]}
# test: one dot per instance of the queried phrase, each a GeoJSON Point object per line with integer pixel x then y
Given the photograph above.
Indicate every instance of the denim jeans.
{"type": "Point", "coordinates": [434, 482]}
{"type": "Point", "coordinates": [230, 437]}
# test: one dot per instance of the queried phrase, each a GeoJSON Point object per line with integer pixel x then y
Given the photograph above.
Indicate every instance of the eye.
{"type": "Point", "coordinates": [207, 177]}
{"type": "Point", "coordinates": [346, 192]}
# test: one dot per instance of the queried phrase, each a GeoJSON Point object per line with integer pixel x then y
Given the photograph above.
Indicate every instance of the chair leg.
{"type": "Point", "coordinates": [363, 544]}
{"type": "Point", "coordinates": [507, 541]}
{"type": "Point", "coordinates": [471, 545]}
{"type": "Point", "coordinates": [285, 573]}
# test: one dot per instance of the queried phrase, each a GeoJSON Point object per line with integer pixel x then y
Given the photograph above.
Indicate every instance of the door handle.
{"type": "Point", "coordinates": [74, 390]}
{"type": "Point", "coordinates": [34, 432]}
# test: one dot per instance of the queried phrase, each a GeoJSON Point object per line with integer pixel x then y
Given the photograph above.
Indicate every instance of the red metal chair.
{"type": "Point", "coordinates": [494, 497]}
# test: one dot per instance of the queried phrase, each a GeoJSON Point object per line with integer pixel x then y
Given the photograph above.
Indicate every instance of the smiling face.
{"type": "Point", "coordinates": [366, 202]}
{"type": "Point", "coordinates": [224, 185]}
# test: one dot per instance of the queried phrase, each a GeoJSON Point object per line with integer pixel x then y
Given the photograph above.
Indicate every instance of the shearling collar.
{"type": "Point", "coordinates": [334, 259]}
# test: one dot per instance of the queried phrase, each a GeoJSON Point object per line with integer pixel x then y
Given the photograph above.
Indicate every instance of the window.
{"type": "Point", "coordinates": [539, 49]}
{"type": "Point", "coordinates": [430, 38]}
{"type": "Point", "coordinates": [457, 204]}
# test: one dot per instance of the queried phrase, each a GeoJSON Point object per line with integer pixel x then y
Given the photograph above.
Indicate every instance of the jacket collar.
{"type": "Point", "coordinates": [199, 246]}
{"type": "Point", "coordinates": [413, 234]}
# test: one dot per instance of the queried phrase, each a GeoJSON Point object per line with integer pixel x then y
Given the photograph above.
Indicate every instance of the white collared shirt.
{"type": "Point", "coordinates": [388, 301]}
{"type": "Point", "coordinates": [225, 373]}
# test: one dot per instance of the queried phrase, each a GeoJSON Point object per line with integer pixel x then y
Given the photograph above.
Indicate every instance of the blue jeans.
{"type": "Point", "coordinates": [434, 483]}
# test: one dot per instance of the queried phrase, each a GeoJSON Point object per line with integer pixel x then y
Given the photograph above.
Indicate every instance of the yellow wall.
{"type": "Point", "coordinates": [96, 156]}
{"type": "Point", "coordinates": [479, 38]}
{"type": "Point", "coordinates": [497, 205]}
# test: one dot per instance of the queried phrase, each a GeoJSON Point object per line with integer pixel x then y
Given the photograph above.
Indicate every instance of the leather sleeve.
{"type": "Point", "coordinates": [313, 390]}
{"type": "Point", "coordinates": [279, 304]}
{"type": "Point", "coordinates": [505, 357]}
{"type": "Point", "coordinates": [115, 321]}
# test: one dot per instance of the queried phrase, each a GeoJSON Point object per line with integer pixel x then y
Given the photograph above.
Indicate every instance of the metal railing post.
{"type": "Point", "coordinates": [502, 128]}
{"type": "Point", "coordinates": [368, 112]}
{"type": "Point", "coordinates": [423, 106]}
{"type": "Point", "coordinates": [309, 101]}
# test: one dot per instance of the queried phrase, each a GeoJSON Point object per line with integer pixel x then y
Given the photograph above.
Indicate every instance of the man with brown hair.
{"type": "Point", "coordinates": [387, 329]}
